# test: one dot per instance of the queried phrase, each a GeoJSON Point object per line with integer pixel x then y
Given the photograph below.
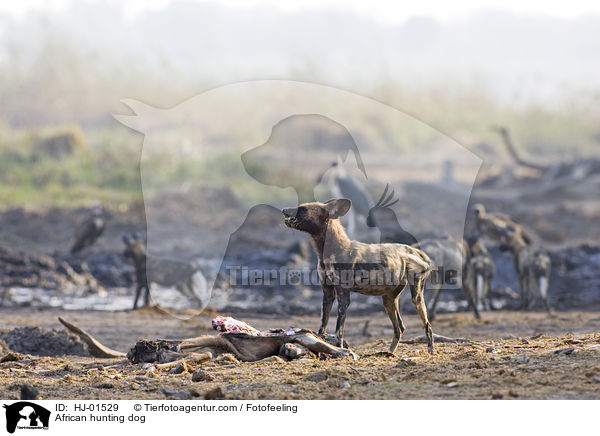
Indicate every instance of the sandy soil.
{"type": "Point", "coordinates": [514, 355]}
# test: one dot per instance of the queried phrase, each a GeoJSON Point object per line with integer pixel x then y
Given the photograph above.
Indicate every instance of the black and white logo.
{"type": "Point", "coordinates": [26, 415]}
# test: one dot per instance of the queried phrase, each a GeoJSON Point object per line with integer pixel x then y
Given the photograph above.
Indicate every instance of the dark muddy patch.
{"type": "Point", "coordinates": [43, 342]}
{"type": "Point", "coordinates": [36, 271]}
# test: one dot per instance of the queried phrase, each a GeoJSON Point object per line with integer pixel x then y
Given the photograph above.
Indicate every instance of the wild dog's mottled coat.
{"type": "Point", "coordinates": [340, 257]}
{"type": "Point", "coordinates": [450, 257]}
{"type": "Point", "coordinates": [532, 264]}
{"type": "Point", "coordinates": [494, 225]}
{"type": "Point", "coordinates": [183, 275]}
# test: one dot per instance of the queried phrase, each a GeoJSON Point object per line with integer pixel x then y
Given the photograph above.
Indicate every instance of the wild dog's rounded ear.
{"type": "Point", "coordinates": [126, 238]}
{"type": "Point", "coordinates": [338, 207]}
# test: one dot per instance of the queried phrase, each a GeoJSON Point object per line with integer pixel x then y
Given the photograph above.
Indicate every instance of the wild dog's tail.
{"type": "Point", "coordinates": [431, 266]}
{"type": "Point", "coordinates": [420, 264]}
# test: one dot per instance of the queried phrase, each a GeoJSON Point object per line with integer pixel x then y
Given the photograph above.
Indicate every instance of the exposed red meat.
{"type": "Point", "coordinates": [227, 324]}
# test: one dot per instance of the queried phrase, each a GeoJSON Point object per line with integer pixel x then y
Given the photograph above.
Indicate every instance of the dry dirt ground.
{"type": "Point", "coordinates": [514, 355]}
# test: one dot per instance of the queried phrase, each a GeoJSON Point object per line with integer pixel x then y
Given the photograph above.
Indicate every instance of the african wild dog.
{"type": "Point", "coordinates": [532, 264]}
{"type": "Point", "coordinates": [450, 257]}
{"type": "Point", "coordinates": [365, 265]}
{"type": "Point", "coordinates": [494, 225]}
{"type": "Point", "coordinates": [183, 275]}
{"type": "Point", "coordinates": [135, 249]}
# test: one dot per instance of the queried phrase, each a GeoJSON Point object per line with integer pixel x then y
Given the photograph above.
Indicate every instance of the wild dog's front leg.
{"type": "Point", "coordinates": [390, 302]}
{"type": "Point", "coordinates": [328, 298]}
{"type": "Point", "coordinates": [343, 300]}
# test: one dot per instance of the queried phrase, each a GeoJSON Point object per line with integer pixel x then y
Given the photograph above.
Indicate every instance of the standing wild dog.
{"type": "Point", "coordinates": [183, 275]}
{"type": "Point", "coordinates": [532, 264]}
{"type": "Point", "coordinates": [450, 257]}
{"type": "Point", "coordinates": [479, 272]}
{"type": "Point", "coordinates": [346, 266]}
{"type": "Point", "coordinates": [135, 250]}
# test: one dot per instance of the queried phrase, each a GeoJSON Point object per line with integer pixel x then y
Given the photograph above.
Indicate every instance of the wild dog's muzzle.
{"type": "Point", "coordinates": [289, 216]}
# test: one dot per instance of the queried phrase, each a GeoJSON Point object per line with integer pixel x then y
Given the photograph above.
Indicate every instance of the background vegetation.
{"type": "Point", "coordinates": [65, 72]}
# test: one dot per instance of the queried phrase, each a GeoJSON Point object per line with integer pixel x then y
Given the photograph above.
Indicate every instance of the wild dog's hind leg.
{"type": "Point", "coordinates": [390, 302]}
{"type": "Point", "coordinates": [417, 289]}
{"type": "Point", "coordinates": [328, 298]}
{"type": "Point", "coordinates": [343, 301]}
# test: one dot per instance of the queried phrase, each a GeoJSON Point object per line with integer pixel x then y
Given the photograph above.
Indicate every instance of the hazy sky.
{"type": "Point", "coordinates": [540, 51]}
{"type": "Point", "coordinates": [384, 11]}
